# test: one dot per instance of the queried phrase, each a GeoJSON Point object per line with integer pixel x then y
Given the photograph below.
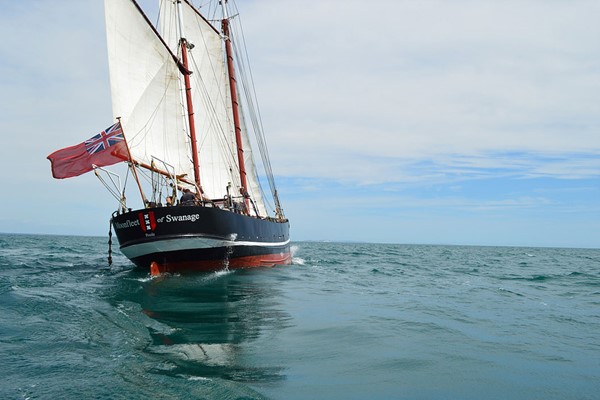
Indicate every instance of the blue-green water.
{"type": "Point", "coordinates": [346, 321]}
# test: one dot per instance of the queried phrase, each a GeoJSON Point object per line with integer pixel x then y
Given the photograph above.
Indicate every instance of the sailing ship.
{"type": "Point", "coordinates": [182, 101]}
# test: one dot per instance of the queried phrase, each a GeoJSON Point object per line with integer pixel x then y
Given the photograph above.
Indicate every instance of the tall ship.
{"type": "Point", "coordinates": [186, 125]}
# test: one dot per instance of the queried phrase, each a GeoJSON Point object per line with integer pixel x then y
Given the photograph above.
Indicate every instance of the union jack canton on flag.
{"type": "Point", "coordinates": [102, 141]}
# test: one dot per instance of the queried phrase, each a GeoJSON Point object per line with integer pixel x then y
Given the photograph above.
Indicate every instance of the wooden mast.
{"type": "Point", "coordinates": [188, 96]}
{"type": "Point", "coordinates": [234, 103]}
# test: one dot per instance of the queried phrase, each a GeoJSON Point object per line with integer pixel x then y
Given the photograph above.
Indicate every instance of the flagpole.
{"type": "Point", "coordinates": [132, 163]}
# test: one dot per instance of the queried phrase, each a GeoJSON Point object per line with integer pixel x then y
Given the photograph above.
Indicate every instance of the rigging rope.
{"type": "Point", "coordinates": [214, 120]}
{"type": "Point", "coordinates": [251, 99]}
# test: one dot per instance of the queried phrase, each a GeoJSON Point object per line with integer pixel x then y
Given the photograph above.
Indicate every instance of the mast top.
{"type": "Point", "coordinates": [224, 6]}
{"type": "Point", "coordinates": [180, 21]}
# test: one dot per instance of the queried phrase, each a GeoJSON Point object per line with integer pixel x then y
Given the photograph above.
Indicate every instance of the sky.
{"type": "Point", "coordinates": [398, 121]}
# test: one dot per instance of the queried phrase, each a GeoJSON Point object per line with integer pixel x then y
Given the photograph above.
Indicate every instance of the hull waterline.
{"type": "Point", "coordinates": [196, 238]}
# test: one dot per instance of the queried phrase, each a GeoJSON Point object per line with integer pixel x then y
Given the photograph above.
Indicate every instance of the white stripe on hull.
{"type": "Point", "coordinates": [179, 244]}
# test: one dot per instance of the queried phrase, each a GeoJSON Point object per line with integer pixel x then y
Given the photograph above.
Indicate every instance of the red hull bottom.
{"type": "Point", "coordinates": [266, 260]}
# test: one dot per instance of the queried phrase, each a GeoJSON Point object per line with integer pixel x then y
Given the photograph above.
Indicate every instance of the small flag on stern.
{"type": "Point", "coordinates": [106, 148]}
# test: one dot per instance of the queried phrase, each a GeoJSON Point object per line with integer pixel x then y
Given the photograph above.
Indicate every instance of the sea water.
{"type": "Point", "coordinates": [345, 321]}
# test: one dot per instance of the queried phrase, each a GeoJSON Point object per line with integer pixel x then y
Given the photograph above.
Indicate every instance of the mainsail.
{"type": "Point", "coordinates": [145, 88]}
{"type": "Point", "coordinates": [148, 92]}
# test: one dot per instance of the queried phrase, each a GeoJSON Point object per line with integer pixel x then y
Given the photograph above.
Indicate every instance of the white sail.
{"type": "Point", "coordinates": [213, 115]}
{"type": "Point", "coordinates": [145, 88]}
{"type": "Point", "coordinates": [254, 188]}
{"type": "Point", "coordinates": [148, 94]}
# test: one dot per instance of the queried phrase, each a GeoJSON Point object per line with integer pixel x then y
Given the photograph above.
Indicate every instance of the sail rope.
{"type": "Point", "coordinates": [249, 91]}
{"type": "Point", "coordinates": [112, 189]}
{"type": "Point", "coordinates": [261, 143]}
{"type": "Point", "coordinates": [214, 120]}
{"type": "Point", "coordinates": [224, 135]}
{"type": "Point", "coordinates": [141, 133]}
{"type": "Point", "coordinates": [213, 124]}
{"type": "Point", "coordinates": [213, 7]}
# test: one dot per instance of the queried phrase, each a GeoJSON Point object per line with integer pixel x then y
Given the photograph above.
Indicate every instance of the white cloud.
{"type": "Point", "coordinates": [425, 80]}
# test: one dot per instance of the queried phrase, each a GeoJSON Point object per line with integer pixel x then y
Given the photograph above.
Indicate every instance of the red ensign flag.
{"type": "Point", "coordinates": [106, 148]}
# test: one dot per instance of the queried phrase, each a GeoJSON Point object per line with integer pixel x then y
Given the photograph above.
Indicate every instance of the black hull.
{"type": "Point", "coordinates": [196, 238]}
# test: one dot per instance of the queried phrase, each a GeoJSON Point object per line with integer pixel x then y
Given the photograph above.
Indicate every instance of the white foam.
{"type": "Point", "coordinates": [294, 249]}
{"type": "Point", "coordinates": [298, 261]}
{"type": "Point", "coordinates": [222, 272]}
{"type": "Point", "coordinates": [198, 378]}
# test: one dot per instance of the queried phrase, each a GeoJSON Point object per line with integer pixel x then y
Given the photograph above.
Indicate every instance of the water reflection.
{"type": "Point", "coordinates": [209, 325]}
